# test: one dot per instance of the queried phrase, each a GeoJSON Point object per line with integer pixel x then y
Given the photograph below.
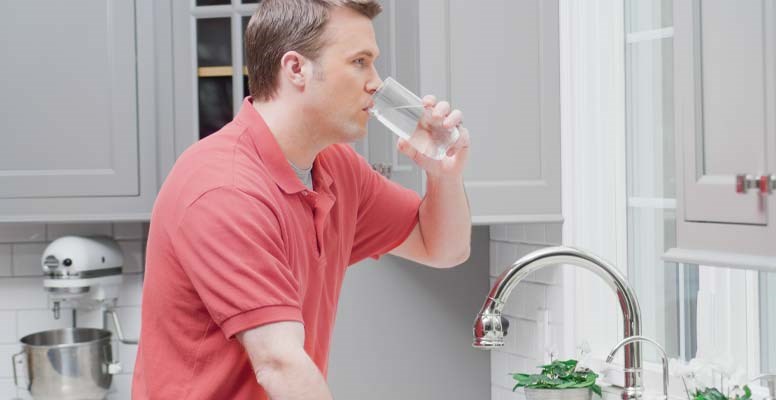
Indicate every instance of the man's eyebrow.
{"type": "Point", "coordinates": [367, 53]}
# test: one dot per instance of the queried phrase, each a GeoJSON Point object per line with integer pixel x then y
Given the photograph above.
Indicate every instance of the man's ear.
{"type": "Point", "coordinates": [293, 69]}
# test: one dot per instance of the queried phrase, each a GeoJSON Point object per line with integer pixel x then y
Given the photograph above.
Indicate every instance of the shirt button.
{"type": "Point", "coordinates": [304, 193]}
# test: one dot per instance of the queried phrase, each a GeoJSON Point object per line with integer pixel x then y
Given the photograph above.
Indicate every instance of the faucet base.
{"type": "Point", "coordinates": [485, 344]}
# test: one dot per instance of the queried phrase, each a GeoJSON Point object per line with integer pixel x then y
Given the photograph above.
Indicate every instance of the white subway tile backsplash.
{"type": "Point", "coordinates": [129, 317]}
{"type": "Point", "coordinates": [134, 257]}
{"type": "Point", "coordinates": [128, 231]}
{"type": "Point", "coordinates": [32, 321]}
{"type": "Point", "coordinates": [523, 248]}
{"type": "Point", "coordinates": [498, 393]}
{"type": "Point", "coordinates": [498, 232]}
{"type": "Point", "coordinates": [22, 293]}
{"type": "Point", "coordinates": [535, 233]}
{"type": "Point", "coordinates": [555, 234]}
{"type": "Point", "coordinates": [121, 388]}
{"type": "Point", "coordinates": [516, 233]}
{"type": "Point", "coordinates": [503, 255]}
{"type": "Point", "coordinates": [499, 369]}
{"type": "Point", "coordinates": [526, 339]}
{"type": "Point", "coordinates": [23, 395]}
{"type": "Point", "coordinates": [7, 327]}
{"type": "Point", "coordinates": [525, 299]}
{"type": "Point", "coordinates": [18, 233]}
{"type": "Point", "coordinates": [7, 388]}
{"type": "Point", "coordinates": [27, 259]}
{"type": "Point", "coordinates": [55, 231]}
{"type": "Point", "coordinates": [555, 303]}
{"type": "Point", "coordinates": [548, 276]}
{"type": "Point", "coordinates": [5, 260]}
{"type": "Point", "coordinates": [6, 352]}
{"type": "Point", "coordinates": [131, 292]}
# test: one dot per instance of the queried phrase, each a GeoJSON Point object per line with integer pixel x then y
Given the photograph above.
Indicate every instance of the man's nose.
{"type": "Point", "coordinates": [374, 84]}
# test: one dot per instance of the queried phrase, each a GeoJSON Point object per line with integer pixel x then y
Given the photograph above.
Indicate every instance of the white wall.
{"type": "Point", "coordinates": [24, 306]}
{"type": "Point", "coordinates": [537, 298]}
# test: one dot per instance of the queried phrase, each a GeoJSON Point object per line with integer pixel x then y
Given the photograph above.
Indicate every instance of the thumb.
{"type": "Point", "coordinates": [405, 148]}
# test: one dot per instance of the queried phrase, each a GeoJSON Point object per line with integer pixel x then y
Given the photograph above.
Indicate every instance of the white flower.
{"type": "Point", "coordinates": [738, 378]}
{"type": "Point", "coordinates": [677, 367]}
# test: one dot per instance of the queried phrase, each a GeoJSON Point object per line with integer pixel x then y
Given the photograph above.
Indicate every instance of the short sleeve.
{"type": "Point", "coordinates": [387, 214]}
{"type": "Point", "coordinates": [230, 246]}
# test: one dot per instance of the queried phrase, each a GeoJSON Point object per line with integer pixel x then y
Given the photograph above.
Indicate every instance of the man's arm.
{"type": "Point", "coordinates": [281, 365]}
{"type": "Point", "coordinates": [442, 237]}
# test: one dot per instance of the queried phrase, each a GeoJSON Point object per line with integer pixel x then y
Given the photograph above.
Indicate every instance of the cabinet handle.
{"type": "Point", "coordinates": [383, 169]}
{"type": "Point", "coordinates": [765, 184]}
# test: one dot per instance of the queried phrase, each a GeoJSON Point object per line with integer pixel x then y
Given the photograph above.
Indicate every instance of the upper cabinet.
{"type": "Point", "coordinates": [77, 96]}
{"type": "Point", "coordinates": [725, 74]}
{"type": "Point", "coordinates": [498, 61]}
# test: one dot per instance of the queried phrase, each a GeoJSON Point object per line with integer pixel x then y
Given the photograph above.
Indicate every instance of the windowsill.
{"type": "Point", "coordinates": [721, 259]}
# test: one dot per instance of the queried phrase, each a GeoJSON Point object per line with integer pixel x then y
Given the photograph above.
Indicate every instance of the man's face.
{"type": "Point", "coordinates": [340, 93]}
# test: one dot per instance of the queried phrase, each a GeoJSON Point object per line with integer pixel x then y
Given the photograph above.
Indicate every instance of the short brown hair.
{"type": "Point", "coordinates": [280, 26]}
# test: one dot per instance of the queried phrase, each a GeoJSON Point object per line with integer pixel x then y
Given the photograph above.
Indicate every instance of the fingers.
{"type": "Point", "coordinates": [429, 101]}
{"type": "Point", "coordinates": [453, 119]}
{"type": "Point", "coordinates": [441, 110]}
{"type": "Point", "coordinates": [462, 144]}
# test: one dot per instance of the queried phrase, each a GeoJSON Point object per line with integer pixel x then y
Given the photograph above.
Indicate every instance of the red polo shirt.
{"type": "Point", "coordinates": [237, 241]}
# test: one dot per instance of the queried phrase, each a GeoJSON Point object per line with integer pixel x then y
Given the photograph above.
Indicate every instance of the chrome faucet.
{"type": "Point", "coordinates": [490, 327]}
{"type": "Point", "coordinates": [660, 349]}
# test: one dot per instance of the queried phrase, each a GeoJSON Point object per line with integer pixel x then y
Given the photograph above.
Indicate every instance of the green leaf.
{"type": "Point", "coordinates": [596, 389]}
{"type": "Point", "coordinates": [560, 374]}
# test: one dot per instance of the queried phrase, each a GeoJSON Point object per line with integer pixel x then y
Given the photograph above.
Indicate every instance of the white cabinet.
{"type": "Point", "coordinates": [725, 74]}
{"type": "Point", "coordinates": [498, 61]}
{"type": "Point", "coordinates": [77, 103]}
{"type": "Point", "coordinates": [396, 30]}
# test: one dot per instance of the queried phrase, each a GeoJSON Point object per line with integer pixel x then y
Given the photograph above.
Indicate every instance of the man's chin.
{"type": "Point", "coordinates": [355, 133]}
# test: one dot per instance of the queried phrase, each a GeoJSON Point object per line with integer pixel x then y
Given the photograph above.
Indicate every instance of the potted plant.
{"type": "Point", "coordinates": [700, 376]}
{"type": "Point", "coordinates": [560, 380]}
{"type": "Point", "coordinates": [715, 394]}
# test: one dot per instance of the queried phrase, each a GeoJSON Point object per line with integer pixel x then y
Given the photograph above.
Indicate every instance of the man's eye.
{"type": "Point", "coordinates": [360, 61]}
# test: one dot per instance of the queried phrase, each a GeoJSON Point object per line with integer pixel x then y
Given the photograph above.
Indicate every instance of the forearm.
{"type": "Point", "coordinates": [295, 377]}
{"type": "Point", "coordinates": [445, 221]}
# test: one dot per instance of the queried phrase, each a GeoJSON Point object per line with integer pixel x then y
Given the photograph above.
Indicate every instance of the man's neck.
{"type": "Point", "coordinates": [297, 138]}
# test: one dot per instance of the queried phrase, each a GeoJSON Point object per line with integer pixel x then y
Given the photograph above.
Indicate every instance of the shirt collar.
{"type": "Point", "coordinates": [270, 153]}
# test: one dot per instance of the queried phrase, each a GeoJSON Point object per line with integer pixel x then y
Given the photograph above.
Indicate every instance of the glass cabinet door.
{"type": "Point", "coordinates": [214, 74]}
{"type": "Point", "coordinates": [217, 54]}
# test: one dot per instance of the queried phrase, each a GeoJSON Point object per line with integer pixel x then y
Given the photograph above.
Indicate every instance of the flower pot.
{"type": "Point", "coordinates": [558, 394]}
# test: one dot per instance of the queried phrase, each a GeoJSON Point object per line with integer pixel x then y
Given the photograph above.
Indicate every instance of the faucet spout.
{"type": "Point", "coordinates": [490, 329]}
{"type": "Point", "coordinates": [660, 349]}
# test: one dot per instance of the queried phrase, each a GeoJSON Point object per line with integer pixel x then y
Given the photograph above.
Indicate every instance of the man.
{"type": "Point", "coordinates": [256, 224]}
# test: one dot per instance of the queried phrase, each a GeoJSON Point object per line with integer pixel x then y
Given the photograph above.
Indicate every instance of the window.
{"type": "Point", "coordinates": [694, 311]}
{"type": "Point", "coordinates": [768, 321]}
{"type": "Point", "coordinates": [666, 291]}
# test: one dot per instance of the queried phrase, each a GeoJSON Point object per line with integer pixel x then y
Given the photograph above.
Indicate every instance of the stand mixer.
{"type": "Point", "coordinates": [86, 274]}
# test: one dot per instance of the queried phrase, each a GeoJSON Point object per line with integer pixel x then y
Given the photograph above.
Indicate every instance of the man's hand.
{"type": "Point", "coordinates": [440, 114]}
{"type": "Point", "coordinates": [442, 237]}
{"type": "Point", "coordinates": [281, 365]}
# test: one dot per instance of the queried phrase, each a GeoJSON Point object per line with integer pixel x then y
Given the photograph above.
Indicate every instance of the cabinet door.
{"type": "Point", "coordinates": [725, 74]}
{"type": "Point", "coordinates": [725, 88]}
{"type": "Point", "coordinates": [396, 31]}
{"type": "Point", "coordinates": [68, 99]}
{"type": "Point", "coordinates": [498, 61]}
